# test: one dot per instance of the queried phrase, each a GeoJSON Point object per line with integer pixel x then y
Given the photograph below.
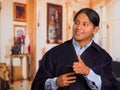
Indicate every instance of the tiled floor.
{"type": "Point", "coordinates": [21, 85]}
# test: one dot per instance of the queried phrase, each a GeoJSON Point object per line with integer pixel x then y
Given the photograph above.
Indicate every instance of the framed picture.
{"type": "Point", "coordinates": [54, 23]}
{"type": "Point", "coordinates": [19, 12]}
{"type": "Point", "coordinates": [19, 33]}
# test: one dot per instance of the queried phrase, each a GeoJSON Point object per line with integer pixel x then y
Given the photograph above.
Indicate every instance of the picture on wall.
{"type": "Point", "coordinates": [19, 33]}
{"type": "Point", "coordinates": [19, 12]}
{"type": "Point", "coordinates": [54, 23]}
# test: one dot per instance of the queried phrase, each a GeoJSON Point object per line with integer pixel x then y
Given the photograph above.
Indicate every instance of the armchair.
{"type": "Point", "coordinates": [4, 76]}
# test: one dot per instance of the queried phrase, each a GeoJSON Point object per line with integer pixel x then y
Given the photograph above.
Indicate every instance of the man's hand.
{"type": "Point", "coordinates": [65, 79]}
{"type": "Point", "coordinates": [80, 68]}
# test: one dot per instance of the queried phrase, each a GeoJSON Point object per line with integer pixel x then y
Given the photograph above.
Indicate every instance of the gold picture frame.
{"type": "Point", "coordinates": [19, 30]}
{"type": "Point", "coordinates": [19, 12]}
{"type": "Point", "coordinates": [54, 23]}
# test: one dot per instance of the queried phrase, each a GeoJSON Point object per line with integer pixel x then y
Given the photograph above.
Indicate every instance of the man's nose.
{"type": "Point", "coordinates": [79, 26]}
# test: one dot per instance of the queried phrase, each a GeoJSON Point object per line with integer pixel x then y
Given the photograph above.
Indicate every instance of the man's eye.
{"type": "Point", "coordinates": [77, 22]}
{"type": "Point", "coordinates": [85, 24]}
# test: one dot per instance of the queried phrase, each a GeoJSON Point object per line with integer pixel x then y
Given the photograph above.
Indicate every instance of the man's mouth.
{"type": "Point", "coordinates": [78, 33]}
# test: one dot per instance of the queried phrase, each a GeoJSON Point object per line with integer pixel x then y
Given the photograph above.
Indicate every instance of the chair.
{"type": "Point", "coordinates": [4, 77]}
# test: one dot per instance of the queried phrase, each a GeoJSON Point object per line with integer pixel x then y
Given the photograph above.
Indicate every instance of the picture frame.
{"type": "Point", "coordinates": [19, 32]}
{"type": "Point", "coordinates": [19, 12]}
{"type": "Point", "coordinates": [54, 23]}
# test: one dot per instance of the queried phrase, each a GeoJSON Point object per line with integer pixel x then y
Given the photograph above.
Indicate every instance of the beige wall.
{"type": "Point", "coordinates": [41, 32]}
{"type": "Point", "coordinates": [109, 36]}
{"type": "Point", "coordinates": [7, 25]}
{"type": "Point", "coordinates": [109, 28]}
{"type": "Point", "coordinates": [7, 32]}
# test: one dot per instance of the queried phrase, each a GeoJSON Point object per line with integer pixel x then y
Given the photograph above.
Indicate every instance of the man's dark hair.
{"type": "Point", "coordinates": [92, 15]}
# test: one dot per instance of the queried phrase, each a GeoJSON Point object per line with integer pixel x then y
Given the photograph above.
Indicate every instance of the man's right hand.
{"type": "Point", "coordinates": [65, 79]}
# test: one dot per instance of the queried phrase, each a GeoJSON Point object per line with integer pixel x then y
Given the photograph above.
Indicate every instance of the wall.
{"type": "Point", "coordinates": [109, 37]}
{"type": "Point", "coordinates": [7, 32]}
{"type": "Point", "coordinates": [7, 26]}
{"type": "Point", "coordinates": [109, 33]}
{"type": "Point", "coordinates": [109, 28]}
{"type": "Point", "coordinates": [41, 33]}
{"type": "Point", "coordinates": [0, 28]}
{"type": "Point", "coordinates": [114, 28]}
{"type": "Point", "coordinates": [31, 29]}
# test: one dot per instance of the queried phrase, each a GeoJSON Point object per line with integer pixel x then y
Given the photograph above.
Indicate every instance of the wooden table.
{"type": "Point", "coordinates": [20, 56]}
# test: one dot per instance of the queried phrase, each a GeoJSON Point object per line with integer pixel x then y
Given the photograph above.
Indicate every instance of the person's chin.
{"type": "Point", "coordinates": [77, 38]}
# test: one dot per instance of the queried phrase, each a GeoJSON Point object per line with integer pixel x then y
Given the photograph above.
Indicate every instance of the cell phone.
{"type": "Point", "coordinates": [69, 68]}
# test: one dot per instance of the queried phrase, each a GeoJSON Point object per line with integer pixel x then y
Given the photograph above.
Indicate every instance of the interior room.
{"type": "Point", "coordinates": [20, 57]}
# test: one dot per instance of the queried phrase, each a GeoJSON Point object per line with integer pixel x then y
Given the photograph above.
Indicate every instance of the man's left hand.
{"type": "Point", "coordinates": [80, 67]}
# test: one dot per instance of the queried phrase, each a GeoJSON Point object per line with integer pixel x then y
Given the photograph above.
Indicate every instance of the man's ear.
{"type": "Point", "coordinates": [95, 30]}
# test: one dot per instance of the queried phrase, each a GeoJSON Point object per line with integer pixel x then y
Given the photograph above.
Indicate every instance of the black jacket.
{"type": "Point", "coordinates": [54, 61]}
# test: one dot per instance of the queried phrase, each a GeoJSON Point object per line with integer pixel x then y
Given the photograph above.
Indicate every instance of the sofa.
{"type": "Point", "coordinates": [116, 71]}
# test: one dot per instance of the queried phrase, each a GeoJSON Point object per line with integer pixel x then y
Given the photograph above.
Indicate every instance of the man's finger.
{"type": "Point", "coordinates": [79, 59]}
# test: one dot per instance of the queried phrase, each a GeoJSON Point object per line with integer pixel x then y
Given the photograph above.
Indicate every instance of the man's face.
{"type": "Point", "coordinates": [83, 28]}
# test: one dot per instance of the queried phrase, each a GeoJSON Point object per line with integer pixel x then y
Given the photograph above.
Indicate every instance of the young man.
{"type": "Point", "coordinates": [79, 63]}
